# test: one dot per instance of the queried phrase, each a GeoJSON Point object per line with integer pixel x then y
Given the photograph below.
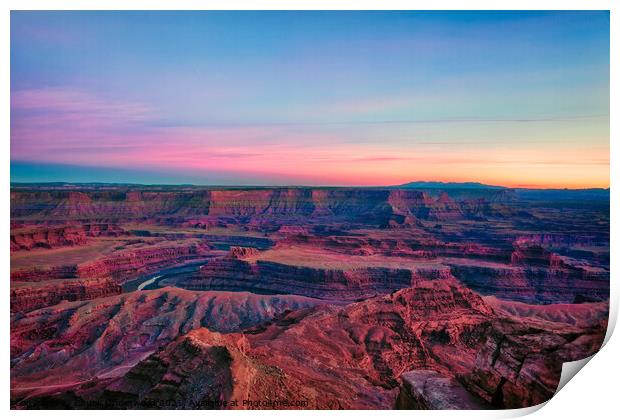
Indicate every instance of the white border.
{"type": "Point", "coordinates": [592, 395]}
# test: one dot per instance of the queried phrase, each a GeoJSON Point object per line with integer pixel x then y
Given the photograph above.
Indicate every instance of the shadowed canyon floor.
{"type": "Point", "coordinates": [189, 297]}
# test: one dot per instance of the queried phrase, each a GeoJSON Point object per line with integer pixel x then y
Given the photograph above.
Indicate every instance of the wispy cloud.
{"type": "Point", "coordinates": [75, 105]}
{"type": "Point", "coordinates": [70, 126]}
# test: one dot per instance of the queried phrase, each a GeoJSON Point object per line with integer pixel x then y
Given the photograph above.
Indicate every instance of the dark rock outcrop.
{"type": "Point", "coordinates": [429, 390]}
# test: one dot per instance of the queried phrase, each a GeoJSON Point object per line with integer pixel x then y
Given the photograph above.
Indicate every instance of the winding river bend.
{"type": "Point", "coordinates": [164, 277]}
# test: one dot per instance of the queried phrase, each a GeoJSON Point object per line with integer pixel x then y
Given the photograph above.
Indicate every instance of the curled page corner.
{"type": "Point", "coordinates": [613, 317]}
{"type": "Point", "coordinates": [518, 412]}
{"type": "Point", "coordinates": [570, 369]}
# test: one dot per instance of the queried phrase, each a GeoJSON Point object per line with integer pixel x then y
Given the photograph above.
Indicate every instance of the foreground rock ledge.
{"type": "Point", "coordinates": [429, 390]}
{"type": "Point", "coordinates": [329, 356]}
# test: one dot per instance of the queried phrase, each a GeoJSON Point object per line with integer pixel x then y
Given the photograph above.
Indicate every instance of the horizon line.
{"type": "Point", "coordinates": [453, 184]}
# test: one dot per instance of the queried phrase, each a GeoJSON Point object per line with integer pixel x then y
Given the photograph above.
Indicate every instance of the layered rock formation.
{"type": "Point", "coordinates": [108, 336]}
{"type": "Point", "coordinates": [357, 356]}
{"type": "Point", "coordinates": [192, 297]}
{"type": "Point", "coordinates": [242, 252]}
{"type": "Point", "coordinates": [267, 277]}
{"type": "Point", "coordinates": [415, 243]}
{"type": "Point", "coordinates": [534, 283]}
{"type": "Point", "coordinates": [28, 296]}
{"type": "Point", "coordinates": [30, 237]}
{"type": "Point", "coordinates": [125, 264]}
{"type": "Point", "coordinates": [37, 288]}
{"type": "Point", "coordinates": [349, 203]}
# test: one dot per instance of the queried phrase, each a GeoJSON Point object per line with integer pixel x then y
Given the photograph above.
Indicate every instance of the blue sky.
{"type": "Point", "coordinates": [330, 98]}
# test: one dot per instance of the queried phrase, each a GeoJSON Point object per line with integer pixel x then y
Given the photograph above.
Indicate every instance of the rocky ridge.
{"type": "Point", "coordinates": [356, 356]}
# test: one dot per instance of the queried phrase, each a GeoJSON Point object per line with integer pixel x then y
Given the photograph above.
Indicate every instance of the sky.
{"type": "Point", "coordinates": [519, 99]}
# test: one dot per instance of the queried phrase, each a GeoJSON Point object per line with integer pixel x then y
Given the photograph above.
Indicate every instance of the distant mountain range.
{"type": "Point", "coordinates": [448, 185]}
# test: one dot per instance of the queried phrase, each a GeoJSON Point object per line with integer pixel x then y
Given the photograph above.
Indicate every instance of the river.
{"type": "Point", "coordinates": [146, 283]}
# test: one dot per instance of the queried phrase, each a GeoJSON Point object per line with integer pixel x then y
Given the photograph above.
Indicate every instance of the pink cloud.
{"type": "Point", "coordinates": [72, 127]}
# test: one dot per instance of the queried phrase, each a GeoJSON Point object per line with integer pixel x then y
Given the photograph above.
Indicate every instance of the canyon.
{"type": "Point", "coordinates": [128, 296]}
